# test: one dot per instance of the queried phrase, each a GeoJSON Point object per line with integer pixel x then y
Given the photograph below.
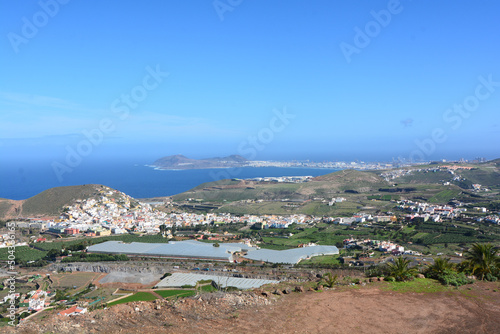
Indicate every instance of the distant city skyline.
{"type": "Point", "coordinates": [286, 80]}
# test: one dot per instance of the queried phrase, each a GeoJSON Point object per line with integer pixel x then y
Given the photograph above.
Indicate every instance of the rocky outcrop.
{"type": "Point", "coordinates": [100, 267]}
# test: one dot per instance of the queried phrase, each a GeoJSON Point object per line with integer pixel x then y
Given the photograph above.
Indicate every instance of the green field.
{"type": "Point", "coordinates": [384, 197]}
{"type": "Point", "coordinates": [176, 293]}
{"type": "Point", "coordinates": [323, 237]}
{"type": "Point", "coordinates": [22, 253]}
{"type": "Point", "coordinates": [208, 288]}
{"type": "Point", "coordinates": [326, 259]}
{"type": "Point", "coordinates": [445, 196]}
{"type": "Point", "coordinates": [418, 285]}
{"type": "Point", "coordinates": [323, 209]}
{"type": "Point", "coordinates": [139, 296]}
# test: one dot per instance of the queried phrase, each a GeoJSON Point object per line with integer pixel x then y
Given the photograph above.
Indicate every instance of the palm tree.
{"type": "Point", "coordinates": [330, 279]}
{"type": "Point", "coordinates": [440, 267]}
{"type": "Point", "coordinates": [482, 259]}
{"type": "Point", "coordinates": [401, 270]}
{"type": "Point", "coordinates": [163, 229]}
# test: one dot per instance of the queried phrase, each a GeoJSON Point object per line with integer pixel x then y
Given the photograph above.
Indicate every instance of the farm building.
{"type": "Point", "coordinates": [75, 310]}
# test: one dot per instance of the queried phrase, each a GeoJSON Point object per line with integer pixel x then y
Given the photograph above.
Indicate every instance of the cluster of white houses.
{"type": "Point", "coordinates": [382, 246]}
{"type": "Point", "coordinates": [6, 240]}
{"type": "Point", "coordinates": [426, 211]}
{"type": "Point", "coordinates": [37, 300]}
{"type": "Point", "coordinates": [282, 179]}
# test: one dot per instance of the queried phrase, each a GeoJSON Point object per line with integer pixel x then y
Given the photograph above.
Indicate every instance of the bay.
{"type": "Point", "coordinates": [21, 181]}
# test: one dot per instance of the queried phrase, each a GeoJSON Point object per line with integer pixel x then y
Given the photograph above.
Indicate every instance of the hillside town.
{"type": "Point", "coordinates": [114, 212]}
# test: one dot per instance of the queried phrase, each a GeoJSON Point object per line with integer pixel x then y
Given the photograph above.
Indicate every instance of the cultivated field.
{"type": "Point", "coordinates": [68, 280]}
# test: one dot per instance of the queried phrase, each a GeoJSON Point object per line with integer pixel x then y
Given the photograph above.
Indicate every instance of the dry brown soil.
{"type": "Point", "coordinates": [369, 309]}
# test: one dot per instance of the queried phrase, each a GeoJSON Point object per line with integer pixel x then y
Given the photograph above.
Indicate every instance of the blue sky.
{"type": "Point", "coordinates": [233, 65]}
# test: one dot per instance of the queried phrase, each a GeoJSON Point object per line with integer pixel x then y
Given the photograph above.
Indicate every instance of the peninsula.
{"type": "Point", "coordinates": [181, 162]}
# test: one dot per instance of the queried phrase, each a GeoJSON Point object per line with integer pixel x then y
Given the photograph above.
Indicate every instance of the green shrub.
{"type": "Point", "coordinates": [453, 278]}
{"type": "Point", "coordinates": [490, 277]}
{"type": "Point", "coordinates": [330, 279]}
{"type": "Point", "coordinates": [377, 271]}
{"type": "Point", "coordinates": [438, 268]}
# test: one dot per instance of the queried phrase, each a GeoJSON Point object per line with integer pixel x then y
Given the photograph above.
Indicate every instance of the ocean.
{"type": "Point", "coordinates": [21, 181]}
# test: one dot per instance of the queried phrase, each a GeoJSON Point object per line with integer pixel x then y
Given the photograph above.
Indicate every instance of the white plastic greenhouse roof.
{"type": "Point", "coordinates": [201, 250]}
{"type": "Point", "coordinates": [180, 279]}
{"type": "Point", "coordinates": [291, 256]}
{"type": "Point", "coordinates": [188, 249]}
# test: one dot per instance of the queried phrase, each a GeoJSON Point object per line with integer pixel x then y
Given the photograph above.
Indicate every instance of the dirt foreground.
{"type": "Point", "coordinates": [368, 309]}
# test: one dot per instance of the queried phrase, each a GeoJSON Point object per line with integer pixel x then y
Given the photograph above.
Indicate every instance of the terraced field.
{"type": "Point", "coordinates": [176, 293]}
{"type": "Point", "coordinates": [23, 253]}
{"type": "Point", "coordinates": [139, 296]}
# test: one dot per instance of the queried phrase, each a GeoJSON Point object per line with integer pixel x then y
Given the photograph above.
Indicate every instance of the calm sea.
{"type": "Point", "coordinates": [21, 181]}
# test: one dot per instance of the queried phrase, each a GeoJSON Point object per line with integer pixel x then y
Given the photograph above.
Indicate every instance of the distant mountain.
{"type": "Point", "coordinates": [179, 161]}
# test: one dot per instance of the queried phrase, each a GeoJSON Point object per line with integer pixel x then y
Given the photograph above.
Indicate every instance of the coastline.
{"type": "Point", "coordinates": [143, 181]}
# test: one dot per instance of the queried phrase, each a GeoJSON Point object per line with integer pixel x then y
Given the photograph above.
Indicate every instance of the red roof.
{"type": "Point", "coordinates": [71, 310]}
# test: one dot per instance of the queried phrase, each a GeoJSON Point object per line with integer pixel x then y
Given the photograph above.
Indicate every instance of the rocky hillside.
{"type": "Point", "coordinates": [51, 201]}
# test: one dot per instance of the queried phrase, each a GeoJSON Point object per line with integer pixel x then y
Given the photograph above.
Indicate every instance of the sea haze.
{"type": "Point", "coordinates": [21, 181]}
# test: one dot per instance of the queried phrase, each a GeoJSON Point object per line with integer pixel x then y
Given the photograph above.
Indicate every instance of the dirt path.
{"type": "Point", "coordinates": [124, 296]}
{"type": "Point", "coordinates": [156, 295]}
{"type": "Point", "coordinates": [98, 278]}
